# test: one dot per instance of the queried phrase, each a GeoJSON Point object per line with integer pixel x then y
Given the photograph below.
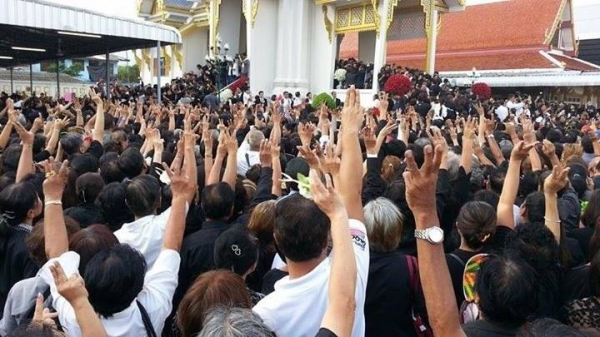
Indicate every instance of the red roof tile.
{"type": "Point", "coordinates": [572, 63]}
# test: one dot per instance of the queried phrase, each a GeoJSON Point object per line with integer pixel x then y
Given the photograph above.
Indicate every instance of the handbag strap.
{"type": "Point", "coordinates": [458, 259]}
{"type": "Point", "coordinates": [146, 320]}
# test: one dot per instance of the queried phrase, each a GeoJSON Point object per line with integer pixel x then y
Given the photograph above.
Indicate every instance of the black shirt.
{"type": "Point", "coordinates": [583, 237]}
{"type": "Point", "coordinates": [456, 264]}
{"type": "Point", "coordinates": [388, 301]}
{"type": "Point", "coordinates": [15, 262]}
{"type": "Point", "coordinates": [482, 328]}
{"type": "Point", "coordinates": [324, 332]}
{"type": "Point", "coordinates": [270, 278]}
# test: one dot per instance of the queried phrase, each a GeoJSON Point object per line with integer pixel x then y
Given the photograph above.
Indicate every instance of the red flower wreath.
{"type": "Point", "coordinates": [482, 90]}
{"type": "Point", "coordinates": [398, 84]}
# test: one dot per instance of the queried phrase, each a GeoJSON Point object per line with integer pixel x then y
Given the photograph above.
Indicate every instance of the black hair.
{"type": "Point", "coordinates": [496, 179]}
{"type": "Point", "coordinates": [488, 196]}
{"type": "Point", "coordinates": [143, 195]}
{"type": "Point", "coordinates": [535, 244]}
{"type": "Point", "coordinates": [548, 327]}
{"type": "Point", "coordinates": [112, 205]}
{"type": "Point", "coordinates": [218, 201]}
{"type": "Point", "coordinates": [237, 250]}
{"type": "Point", "coordinates": [587, 144]}
{"type": "Point", "coordinates": [10, 158]}
{"type": "Point", "coordinates": [114, 278]}
{"type": "Point", "coordinates": [595, 274]}
{"type": "Point", "coordinates": [506, 288]}
{"type": "Point", "coordinates": [109, 168]}
{"type": "Point", "coordinates": [16, 201]}
{"type": "Point", "coordinates": [536, 207]}
{"type": "Point", "coordinates": [131, 162]}
{"type": "Point", "coordinates": [301, 228]}
{"type": "Point", "coordinates": [88, 187]}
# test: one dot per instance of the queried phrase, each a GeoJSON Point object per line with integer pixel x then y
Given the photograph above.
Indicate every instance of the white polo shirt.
{"type": "Point", "coordinates": [146, 235]}
{"type": "Point", "coordinates": [297, 307]}
{"type": "Point", "coordinates": [156, 297]}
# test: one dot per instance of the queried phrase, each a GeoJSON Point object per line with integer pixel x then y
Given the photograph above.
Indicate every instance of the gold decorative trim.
{"type": "Point", "coordinates": [323, 2]}
{"type": "Point", "coordinates": [138, 60]}
{"type": "Point", "coordinates": [250, 17]}
{"type": "Point", "coordinates": [556, 23]}
{"type": "Point", "coordinates": [178, 55]}
{"type": "Point", "coordinates": [164, 53]}
{"type": "Point", "coordinates": [328, 23]}
{"type": "Point", "coordinates": [357, 18]}
{"type": "Point", "coordinates": [390, 13]}
{"type": "Point", "coordinates": [146, 57]}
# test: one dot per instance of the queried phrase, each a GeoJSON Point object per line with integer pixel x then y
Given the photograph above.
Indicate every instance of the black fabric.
{"type": "Point", "coordinates": [324, 332]}
{"type": "Point", "coordinates": [576, 256]}
{"type": "Point", "coordinates": [374, 186]}
{"type": "Point", "coordinates": [456, 265]}
{"type": "Point", "coordinates": [388, 304]}
{"type": "Point", "coordinates": [15, 262]}
{"type": "Point", "coordinates": [575, 283]}
{"type": "Point", "coordinates": [498, 240]}
{"type": "Point", "coordinates": [482, 328]}
{"type": "Point", "coordinates": [583, 237]}
{"type": "Point", "coordinates": [146, 319]}
{"type": "Point", "coordinates": [96, 149]}
{"type": "Point", "coordinates": [271, 277]}
{"type": "Point", "coordinates": [43, 155]}
{"type": "Point", "coordinates": [569, 209]}
{"type": "Point", "coordinates": [85, 214]}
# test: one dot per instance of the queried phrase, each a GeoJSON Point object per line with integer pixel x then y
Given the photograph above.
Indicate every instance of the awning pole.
{"type": "Point", "coordinates": [107, 75]}
{"type": "Point", "coordinates": [158, 72]}
{"type": "Point", "coordinates": [58, 78]}
{"type": "Point", "coordinates": [31, 78]}
{"type": "Point", "coordinates": [12, 91]}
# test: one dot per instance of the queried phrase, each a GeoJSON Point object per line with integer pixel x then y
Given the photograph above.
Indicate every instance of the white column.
{"type": "Point", "coordinates": [230, 16]}
{"type": "Point", "coordinates": [380, 44]}
{"type": "Point", "coordinates": [248, 10]}
{"type": "Point", "coordinates": [293, 45]}
{"type": "Point", "coordinates": [432, 41]}
{"type": "Point", "coordinates": [262, 47]}
{"type": "Point", "coordinates": [322, 57]}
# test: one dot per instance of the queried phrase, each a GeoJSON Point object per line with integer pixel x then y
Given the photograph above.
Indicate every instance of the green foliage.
{"type": "Point", "coordinates": [72, 70]}
{"type": "Point", "coordinates": [323, 98]}
{"type": "Point", "coordinates": [127, 74]}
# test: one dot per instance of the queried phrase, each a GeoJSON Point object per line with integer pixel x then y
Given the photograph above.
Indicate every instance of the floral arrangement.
{"type": "Point", "coordinates": [398, 84]}
{"type": "Point", "coordinates": [226, 95]}
{"type": "Point", "coordinates": [482, 90]}
{"type": "Point", "coordinates": [323, 98]}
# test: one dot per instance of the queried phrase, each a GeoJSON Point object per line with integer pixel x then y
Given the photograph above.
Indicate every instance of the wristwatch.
{"type": "Point", "coordinates": [435, 235]}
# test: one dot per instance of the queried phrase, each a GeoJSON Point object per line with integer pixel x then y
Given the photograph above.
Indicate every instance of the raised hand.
{"type": "Point", "coordinates": [331, 162]}
{"type": "Point", "coordinates": [42, 315]}
{"type": "Point", "coordinates": [310, 156]}
{"type": "Point", "coordinates": [95, 97]}
{"type": "Point", "coordinates": [521, 151]}
{"type": "Point", "coordinates": [72, 288]}
{"type": "Point", "coordinates": [265, 153]}
{"type": "Point", "coordinates": [420, 183]}
{"type": "Point", "coordinates": [306, 131]}
{"type": "Point", "coordinates": [352, 113]}
{"type": "Point", "coordinates": [26, 136]}
{"type": "Point", "coordinates": [548, 148]}
{"type": "Point", "coordinates": [370, 140]}
{"type": "Point", "coordinates": [180, 181]}
{"type": "Point", "coordinates": [55, 183]}
{"type": "Point", "coordinates": [325, 196]}
{"type": "Point", "coordinates": [557, 180]}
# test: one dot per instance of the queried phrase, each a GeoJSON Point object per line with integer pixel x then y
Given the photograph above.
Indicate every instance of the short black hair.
{"type": "Point", "coordinates": [131, 162]}
{"type": "Point", "coordinates": [143, 195]}
{"type": "Point", "coordinates": [218, 201]}
{"type": "Point", "coordinates": [488, 196]}
{"type": "Point", "coordinates": [114, 278]}
{"type": "Point", "coordinates": [113, 207]}
{"type": "Point", "coordinates": [71, 143]}
{"type": "Point", "coordinates": [497, 177]}
{"type": "Point", "coordinates": [236, 249]}
{"type": "Point", "coordinates": [109, 168]}
{"type": "Point", "coordinates": [301, 228]}
{"type": "Point", "coordinates": [506, 288]}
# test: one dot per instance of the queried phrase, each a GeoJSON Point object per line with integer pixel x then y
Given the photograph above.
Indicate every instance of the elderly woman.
{"type": "Point", "coordinates": [389, 287]}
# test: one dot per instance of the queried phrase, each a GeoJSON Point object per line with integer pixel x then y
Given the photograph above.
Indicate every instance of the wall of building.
{"type": "Point", "coordinates": [195, 48]}
{"type": "Point", "coordinates": [49, 88]}
{"type": "Point", "coordinates": [366, 46]}
{"type": "Point", "coordinates": [230, 17]}
{"type": "Point", "coordinates": [323, 51]}
{"type": "Point", "coordinates": [263, 38]}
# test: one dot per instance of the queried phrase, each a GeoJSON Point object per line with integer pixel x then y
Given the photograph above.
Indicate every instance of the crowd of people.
{"type": "Point", "coordinates": [353, 72]}
{"type": "Point", "coordinates": [437, 213]}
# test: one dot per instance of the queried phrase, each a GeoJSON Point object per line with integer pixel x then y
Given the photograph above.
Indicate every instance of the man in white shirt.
{"type": "Point", "coordinates": [502, 112]}
{"type": "Point", "coordinates": [248, 154]}
{"type": "Point", "coordinates": [300, 300]}
{"type": "Point", "coordinates": [146, 233]}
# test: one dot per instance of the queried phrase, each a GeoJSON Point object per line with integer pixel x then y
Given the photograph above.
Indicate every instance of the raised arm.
{"type": "Point", "coordinates": [529, 137]}
{"type": "Point", "coordinates": [276, 130]}
{"type": "Point", "coordinates": [511, 185]}
{"type": "Point", "coordinates": [12, 118]}
{"type": "Point", "coordinates": [276, 164]}
{"type": "Point", "coordinates": [26, 159]}
{"type": "Point", "coordinates": [351, 189]}
{"type": "Point", "coordinates": [215, 172]}
{"type": "Point", "coordinates": [191, 169]}
{"type": "Point", "coordinates": [55, 232]}
{"type": "Point", "coordinates": [339, 317]}
{"type": "Point", "coordinates": [98, 134]}
{"type": "Point", "coordinates": [466, 160]}
{"type": "Point", "coordinates": [555, 182]}
{"type": "Point", "coordinates": [230, 174]}
{"type": "Point", "coordinates": [54, 137]}
{"type": "Point", "coordinates": [550, 152]}
{"type": "Point", "coordinates": [73, 289]}
{"type": "Point", "coordinates": [433, 270]}
{"type": "Point", "coordinates": [183, 190]}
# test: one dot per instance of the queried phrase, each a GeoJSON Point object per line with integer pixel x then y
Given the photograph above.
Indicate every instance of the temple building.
{"type": "Point", "coordinates": [293, 44]}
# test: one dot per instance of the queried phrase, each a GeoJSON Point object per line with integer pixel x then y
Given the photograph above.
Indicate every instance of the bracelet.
{"type": "Point", "coordinates": [490, 136]}
{"type": "Point", "coordinates": [53, 202]}
{"type": "Point", "coordinates": [208, 156]}
{"type": "Point", "coordinates": [555, 221]}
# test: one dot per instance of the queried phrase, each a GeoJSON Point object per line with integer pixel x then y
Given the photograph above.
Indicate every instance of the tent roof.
{"type": "Point", "coordinates": [39, 24]}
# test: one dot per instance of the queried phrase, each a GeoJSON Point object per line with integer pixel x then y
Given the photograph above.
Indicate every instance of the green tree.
{"type": "Point", "coordinates": [73, 70]}
{"type": "Point", "coordinates": [128, 73]}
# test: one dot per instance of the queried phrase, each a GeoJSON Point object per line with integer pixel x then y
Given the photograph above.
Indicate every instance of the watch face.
{"type": "Point", "coordinates": [436, 235]}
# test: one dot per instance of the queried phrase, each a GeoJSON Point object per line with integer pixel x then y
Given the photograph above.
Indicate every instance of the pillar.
{"type": "Point", "coordinates": [262, 46]}
{"type": "Point", "coordinates": [294, 29]}
{"type": "Point", "coordinates": [431, 21]}
{"type": "Point", "coordinates": [158, 72]}
{"type": "Point", "coordinates": [380, 43]}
